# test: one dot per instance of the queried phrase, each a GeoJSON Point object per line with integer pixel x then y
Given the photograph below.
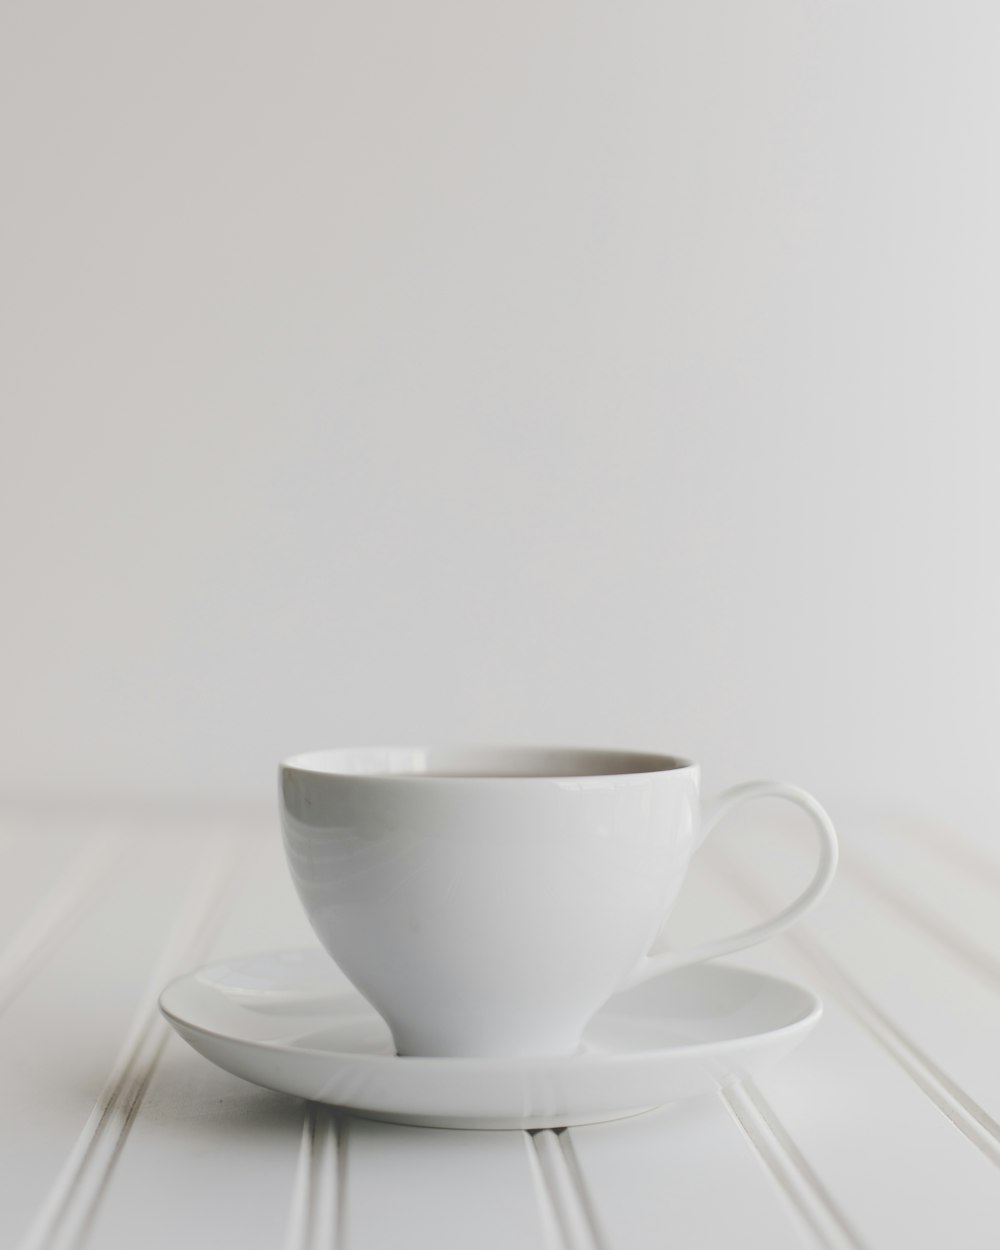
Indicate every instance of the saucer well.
{"type": "Point", "coordinates": [288, 1021]}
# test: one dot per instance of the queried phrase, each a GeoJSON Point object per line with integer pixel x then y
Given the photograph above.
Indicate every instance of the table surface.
{"type": "Point", "coordinates": [880, 1131]}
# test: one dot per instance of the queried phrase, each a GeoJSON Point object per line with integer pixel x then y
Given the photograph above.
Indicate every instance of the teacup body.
{"type": "Point", "coordinates": [488, 901]}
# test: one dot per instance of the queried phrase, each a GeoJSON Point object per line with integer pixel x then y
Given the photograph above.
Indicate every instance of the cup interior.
{"type": "Point", "coordinates": [482, 762]}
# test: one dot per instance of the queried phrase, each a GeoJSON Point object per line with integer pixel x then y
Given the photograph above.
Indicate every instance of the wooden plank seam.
{"type": "Point", "coordinates": [814, 1207]}
{"type": "Point", "coordinates": [317, 1215]}
{"type": "Point", "coordinates": [978, 959]}
{"type": "Point", "coordinates": [972, 1120]}
{"type": "Point", "coordinates": [68, 1211]}
{"type": "Point", "coordinates": [57, 912]}
{"type": "Point", "coordinates": [569, 1221]}
{"type": "Point", "coordinates": [960, 850]}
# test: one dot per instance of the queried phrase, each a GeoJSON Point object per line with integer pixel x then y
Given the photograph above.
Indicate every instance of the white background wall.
{"type": "Point", "coordinates": [614, 373]}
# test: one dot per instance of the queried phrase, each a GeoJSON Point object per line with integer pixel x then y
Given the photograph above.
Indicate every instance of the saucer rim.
{"type": "Point", "coordinates": [485, 1064]}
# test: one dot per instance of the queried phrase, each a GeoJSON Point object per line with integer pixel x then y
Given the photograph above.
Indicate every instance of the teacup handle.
{"type": "Point", "coordinates": [667, 961]}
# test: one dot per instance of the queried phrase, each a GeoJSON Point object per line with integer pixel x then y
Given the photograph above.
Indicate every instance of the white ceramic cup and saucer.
{"type": "Point", "coordinates": [496, 907]}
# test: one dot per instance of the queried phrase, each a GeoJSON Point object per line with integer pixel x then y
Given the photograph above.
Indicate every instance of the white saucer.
{"type": "Point", "coordinates": [288, 1021]}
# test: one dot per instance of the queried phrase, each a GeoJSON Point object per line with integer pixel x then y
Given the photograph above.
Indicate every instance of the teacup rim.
{"type": "Point", "coordinates": [400, 765]}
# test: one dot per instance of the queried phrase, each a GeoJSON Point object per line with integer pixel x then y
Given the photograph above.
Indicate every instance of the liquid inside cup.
{"type": "Point", "coordinates": [484, 763]}
{"type": "Point", "coordinates": [481, 776]}
{"type": "Point", "coordinates": [472, 776]}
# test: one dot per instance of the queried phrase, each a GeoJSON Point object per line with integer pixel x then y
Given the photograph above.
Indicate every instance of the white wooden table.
{"type": "Point", "coordinates": [881, 1131]}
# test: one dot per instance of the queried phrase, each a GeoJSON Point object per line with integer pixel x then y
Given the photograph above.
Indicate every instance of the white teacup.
{"type": "Point", "coordinates": [487, 901]}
